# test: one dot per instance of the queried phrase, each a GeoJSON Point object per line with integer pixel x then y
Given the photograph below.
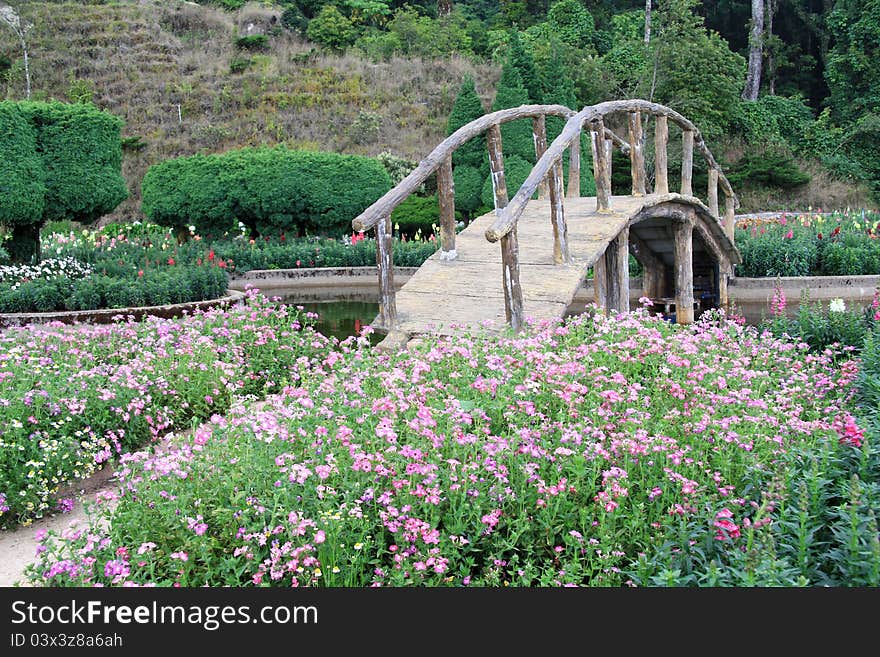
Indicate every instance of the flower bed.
{"type": "Point", "coordinates": [602, 451]}
{"type": "Point", "coordinates": [831, 244]}
{"type": "Point", "coordinates": [74, 396]}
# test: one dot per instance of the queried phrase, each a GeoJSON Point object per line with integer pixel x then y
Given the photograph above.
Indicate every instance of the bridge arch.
{"type": "Point", "coordinates": [691, 226]}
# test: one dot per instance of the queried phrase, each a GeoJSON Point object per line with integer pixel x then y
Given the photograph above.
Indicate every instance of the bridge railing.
{"type": "Point", "coordinates": [439, 161]}
{"type": "Point", "coordinates": [602, 140]}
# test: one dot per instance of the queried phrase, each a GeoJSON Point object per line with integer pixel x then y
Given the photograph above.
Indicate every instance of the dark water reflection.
{"type": "Point", "coordinates": [340, 318]}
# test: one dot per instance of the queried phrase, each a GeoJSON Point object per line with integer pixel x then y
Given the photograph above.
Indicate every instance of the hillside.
{"type": "Point", "coordinates": [165, 68]}
{"type": "Point", "coordinates": [174, 72]}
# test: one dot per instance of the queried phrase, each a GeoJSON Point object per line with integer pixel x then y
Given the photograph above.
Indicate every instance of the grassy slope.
{"type": "Point", "coordinates": [144, 58]}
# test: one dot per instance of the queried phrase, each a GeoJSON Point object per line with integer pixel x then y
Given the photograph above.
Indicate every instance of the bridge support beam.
{"type": "Point", "coordinates": [653, 269]}
{"type": "Point", "coordinates": [385, 262]}
{"type": "Point", "coordinates": [600, 282]}
{"type": "Point", "coordinates": [617, 263]}
{"type": "Point", "coordinates": [684, 271]}
{"type": "Point", "coordinates": [601, 167]}
{"type": "Point", "coordinates": [446, 196]}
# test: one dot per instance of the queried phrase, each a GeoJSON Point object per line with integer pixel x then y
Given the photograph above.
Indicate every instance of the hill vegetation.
{"type": "Point", "coordinates": [371, 76]}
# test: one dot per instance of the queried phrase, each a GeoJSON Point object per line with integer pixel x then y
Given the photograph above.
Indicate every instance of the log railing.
{"type": "Point", "coordinates": [602, 142]}
{"type": "Point", "coordinates": [439, 161]}
{"type": "Point", "coordinates": [546, 178]}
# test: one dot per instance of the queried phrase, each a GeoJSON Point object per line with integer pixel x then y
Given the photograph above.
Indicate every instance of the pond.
{"type": "Point", "coordinates": [340, 318]}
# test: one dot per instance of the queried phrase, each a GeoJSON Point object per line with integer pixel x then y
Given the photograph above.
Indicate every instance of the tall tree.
{"type": "Point", "coordinates": [647, 21]}
{"type": "Point", "coordinates": [756, 52]}
{"type": "Point", "coordinates": [12, 18]}
{"type": "Point", "coordinates": [466, 108]}
{"type": "Point", "coordinates": [522, 60]}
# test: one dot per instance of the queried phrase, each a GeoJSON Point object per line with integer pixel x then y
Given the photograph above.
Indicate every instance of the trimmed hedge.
{"type": "Point", "coordinates": [269, 190]}
{"type": "Point", "coordinates": [59, 161]}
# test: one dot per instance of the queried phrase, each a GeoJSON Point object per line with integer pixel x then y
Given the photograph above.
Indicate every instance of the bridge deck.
{"type": "Point", "coordinates": [467, 292]}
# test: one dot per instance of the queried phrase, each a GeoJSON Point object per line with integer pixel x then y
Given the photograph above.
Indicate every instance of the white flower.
{"type": "Point", "coordinates": [837, 306]}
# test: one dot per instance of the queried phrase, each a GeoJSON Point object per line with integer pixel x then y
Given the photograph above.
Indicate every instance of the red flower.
{"type": "Point", "coordinates": [819, 235]}
{"type": "Point", "coordinates": [298, 263]}
{"type": "Point", "coordinates": [170, 261]}
{"type": "Point", "coordinates": [199, 261]}
{"type": "Point", "coordinates": [789, 235]}
{"type": "Point", "coordinates": [282, 237]}
{"type": "Point", "coordinates": [221, 263]}
{"type": "Point", "coordinates": [211, 255]}
{"type": "Point", "coordinates": [835, 232]}
{"type": "Point", "coordinates": [140, 273]}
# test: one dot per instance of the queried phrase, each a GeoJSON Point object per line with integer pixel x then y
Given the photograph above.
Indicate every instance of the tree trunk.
{"type": "Point", "coordinates": [647, 21]}
{"type": "Point", "coordinates": [24, 245]}
{"type": "Point", "coordinates": [771, 60]}
{"type": "Point", "coordinates": [756, 49]}
{"type": "Point", "coordinates": [444, 7]}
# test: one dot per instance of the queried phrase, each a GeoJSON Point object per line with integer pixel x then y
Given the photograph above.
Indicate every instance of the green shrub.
{"type": "Point", "coordinates": [240, 64]}
{"type": "Point", "coordinates": [331, 29]}
{"type": "Point", "coordinates": [773, 253]}
{"type": "Point", "coordinates": [467, 107]}
{"type": "Point", "coordinates": [417, 214]}
{"type": "Point", "coordinates": [252, 42]}
{"type": "Point", "coordinates": [772, 169]}
{"type": "Point", "coordinates": [60, 161]}
{"type": "Point", "coordinates": [468, 190]}
{"type": "Point", "coordinates": [269, 190]}
{"type": "Point", "coordinates": [849, 254]}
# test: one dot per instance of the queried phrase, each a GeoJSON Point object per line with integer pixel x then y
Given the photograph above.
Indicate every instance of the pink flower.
{"type": "Point", "coordinates": [182, 556]}
{"type": "Point", "coordinates": [320, 536]}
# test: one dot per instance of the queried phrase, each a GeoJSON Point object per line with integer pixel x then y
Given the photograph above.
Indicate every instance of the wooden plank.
{"type": "Point", "coordinates": [557, 216]}
{"type": "Point", "coordinates": [513, 296]}
{"type": "Point", "coordinates": [496, 166]}
{"type": "Point", "coordinates": [713, 192]}
{"type": "Point", "coordinates": [574, 168]}
{"type": "Point", "coordinates": [684, 272]}
{"type": "Point", "coordinates": [385, 262]}
{"type": "Point", "coordinates": [601, 167]}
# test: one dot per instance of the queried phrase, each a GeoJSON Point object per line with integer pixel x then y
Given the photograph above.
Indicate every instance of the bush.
{"type": "Point", "coordinates": [60, 162]}
{"type": "Point", "coordinates": [252, 42]}
{"type": "Point", "coordinates": [468, 191]}
{"type": "Point", "coordinates": [269, 190]}
{"type": "Point", "coordinates": [417, 214]}
{"type": "Point", "coordinates": [771, 169]}
{"type": "Point", "coordinates": [331, 29]}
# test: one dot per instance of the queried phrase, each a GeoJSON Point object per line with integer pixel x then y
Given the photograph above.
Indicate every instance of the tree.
{"type": "Point", "coordinates": [466, 108]}
{"type": "Point", "coordinates": [21, 28]}
{"type": "Point", "coordinates": [756, 52]}
{"type": "Point", "coordinates": [61, 162]}
{"type": "Point", "coordinates": [331, 29]}
{"type": "Point", "coordinates": [522, 60]}
{"type": "Point", "coordinates": [516, 136]}
{"type": "Point", "coordinates": [647, 22]}
{"type": "Point", "coordinates": [572, 23]}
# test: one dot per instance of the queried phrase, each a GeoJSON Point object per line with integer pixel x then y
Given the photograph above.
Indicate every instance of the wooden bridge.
{"type": "Point", "coordinates": [668, 233]}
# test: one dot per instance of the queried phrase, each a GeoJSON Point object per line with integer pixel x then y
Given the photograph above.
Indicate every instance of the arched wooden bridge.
{"type": "Point", "coordinates": [548, 244]}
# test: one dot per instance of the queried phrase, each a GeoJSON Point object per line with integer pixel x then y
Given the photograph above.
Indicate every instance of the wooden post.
{"type": "Point", "coordinates": [713, 192]}
{"type": "Point", "coordinates": [652, 267]}
{"type": "Point", "coordinates": [601, 167]}
{"type": "Point", "coordinates": [636, 154]}
{"type": "Point", "coordinates": [729, 215]}
{"type": "Point", "coordinates": [446, 196]}
{"type": "Point", "coordinates": [496, 166]}
{"type": "Point", "coordinates": [557, 215]}
{"type": "Point", "coordinates": [609, 161]}
{"type": "Point", "coordinates": [617, 272]}
{"type": "Point", "coordinates": [723, 294]}
{"type": "Point", "coordinates": [574, 167]}
{"type": "Point", "coordinates": [539, 133]}
{"type": "Point", "coordinates": [661, 136]}
{"type": "Point", "coordinates": [684, 272]}
{"type": "Point", "coordinates": [385, 262]}
{"type": "Point", "coordinates": [513, 298]}
{"type": "Point", "coordinates": [687, 162]}
{"type": "Point", "coordinates": [600, 281]}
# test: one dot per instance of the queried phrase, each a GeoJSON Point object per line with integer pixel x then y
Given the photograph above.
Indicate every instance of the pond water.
{"type": "Point", "coordinates": [340, 318]}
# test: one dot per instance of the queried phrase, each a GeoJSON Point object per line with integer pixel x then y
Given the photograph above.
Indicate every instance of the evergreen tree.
{"type": "Point", "coordinates": [516, 136]}
{"type": "Point", "coordinates": [522, 60]}
{"type": "Point", "coordinates": [466, 108]}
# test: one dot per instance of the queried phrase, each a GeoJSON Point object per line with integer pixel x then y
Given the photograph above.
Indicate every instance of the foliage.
{"type": "Point", "coordinates": [516, 170]}
{"type": "Point", "coordinates": [469, 190]}
{"type": "Point", "coordinates": [331, 29]}
{"type": "Point", "coordinates": [76, 396]}
{"type": "Point", "coordinates": [269, 190]}
{"type": "Point", "coordinates": [67, 165]}
{"type": "Point", "coordinates": [770, 169]}
{"type": "Point", "coordinates": [516, 136]}
{"type": "Point", "coordinates": [252, 42]}
{"type": "Point", "coordinates": [543, 485]}
{"type": "Point", "coordinates": [417, 214]}
{"type": "Point", "coordinates": [521, 59]}
{"type": "Point", "coordinates": [467, 107]}
{"type": "Point", "coordinates": [572, 23]}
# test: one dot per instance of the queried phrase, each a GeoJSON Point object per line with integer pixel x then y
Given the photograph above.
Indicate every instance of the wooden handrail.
{"type": "Point", "coordinates": [507, 218]}
{"type": "Point", "coordinates": [386, 204]}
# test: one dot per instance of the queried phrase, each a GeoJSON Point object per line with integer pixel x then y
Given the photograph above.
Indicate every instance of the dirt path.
{"type": "Point", "coordinates": [18, 546]}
